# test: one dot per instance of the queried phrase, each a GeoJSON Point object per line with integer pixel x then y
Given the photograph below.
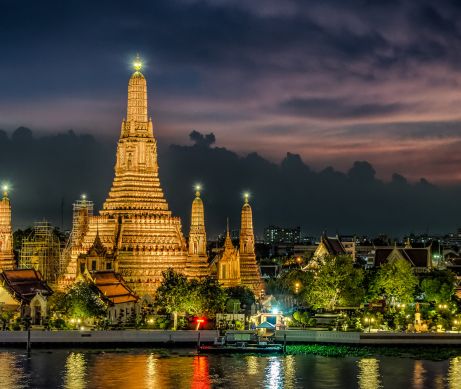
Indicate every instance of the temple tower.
{"type": "Point", "coordinates": [6, 233]}
{"type": "Point", "coordinates": [249, 269]}
{"type": "Point", "coordinates": [197, 261]}
{"type": "Point", "coordinates": [135, 225]}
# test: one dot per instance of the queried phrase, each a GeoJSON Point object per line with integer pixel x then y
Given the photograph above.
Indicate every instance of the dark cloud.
{"type": "Point", "coordinates": [48, 173]}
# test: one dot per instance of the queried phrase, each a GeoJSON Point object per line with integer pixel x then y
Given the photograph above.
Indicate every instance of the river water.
{"type": "Point", "coordinates": [157, 369]}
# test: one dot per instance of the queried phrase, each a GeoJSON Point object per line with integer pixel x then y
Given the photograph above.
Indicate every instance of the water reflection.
{"type": "Point", "coordinates": [273, 374]}
{"type": "Point", "coordinates": [253, 365]}
{"type": "Point", "coordinates": [290, 371]}
{"type": "Point", "coordinates": [151, 371]}
{"type": "Point", "coordinates": [126, 369]}
{"type": "Point", "coordinates": [454, 373]}
{"type": "Point", "coordinates": [369, 377]}
{"type": "Point", "coordinates": [418, 375]}
{"type": "Point", "coordinates": [11, 375]}
{"type": "Point", "coordinates": [75, 371]}
{"type": "Point", "coordinates": [201, 376]}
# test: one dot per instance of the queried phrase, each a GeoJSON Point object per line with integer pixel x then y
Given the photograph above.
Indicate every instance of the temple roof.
{"type": "Point", "coordinates": [333, 245]}
{"type": "Point", "coordinates": [24, 284]}
{"type": "Point", "coordinates": [418, 257]}
{"type": "Point", "coordinates": [112, 287]}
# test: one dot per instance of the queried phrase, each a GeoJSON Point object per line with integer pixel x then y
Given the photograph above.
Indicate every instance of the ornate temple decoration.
{"type": "Point", "coordinates": [97, 258]}
{"type": "Point", "coordinates": [135, 224]}
{"type": "Point", "coordinates": [6, 233]}
{"type": "Point", "coordinates": [197, 264]}
{"type": "Point", "coordinates": [135, 233]}
{"type": "Point", "coordinates": [249, 270]}
{"type": "Point", "coordinates": [226, 265]}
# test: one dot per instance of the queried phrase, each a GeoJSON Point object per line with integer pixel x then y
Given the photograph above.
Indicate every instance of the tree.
{"type": "Point", "coordinates": [395, 281]}
{"type": "Point", "coordinates": [197, 297]}
{"type": "Point", "coordinates": [438, 286]}
{"type": "Point", "coordinates": [82, 302]}
{"type": "Point", "coordinates": [173, 294]}
{"type": "Point", "coordinates": [213, 296]}
{"type": "Point", "coordinates": [336, 282]}
{"type": "Point", "coordinates": [243, 294]}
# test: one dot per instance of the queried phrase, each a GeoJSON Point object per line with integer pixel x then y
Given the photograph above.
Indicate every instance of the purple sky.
{"type": "Point", "coordinates": [335, 81]}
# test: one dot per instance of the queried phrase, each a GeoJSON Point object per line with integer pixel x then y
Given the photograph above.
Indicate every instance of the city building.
{"type": "Point", "coordinates": [275, 235]}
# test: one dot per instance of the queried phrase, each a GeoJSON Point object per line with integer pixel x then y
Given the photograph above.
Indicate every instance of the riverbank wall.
{"type": "Point", "coordinates": [123, 338]}
{"type": "Point", "coordinates": [364, 338]}
{"type": "Point", "coordinates": [164, 338]}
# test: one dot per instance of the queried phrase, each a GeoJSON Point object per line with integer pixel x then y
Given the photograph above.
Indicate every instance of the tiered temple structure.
{"type": "Point", "coordinates": [135, 233]}
{"type": "Point", "coordinates": [6, 233]}
{"type": "Point", "coordinates": [197, 265]}
{"type": "Point", "coordinates": [249, 270]}
{"type": "Point", "coordinates": [135, 224]}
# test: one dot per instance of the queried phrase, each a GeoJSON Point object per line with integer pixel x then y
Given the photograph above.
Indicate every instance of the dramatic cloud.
{"type": "Point", "coordinates": [48, 173]}
{"type": "Point", "coordinates": [333, 81]}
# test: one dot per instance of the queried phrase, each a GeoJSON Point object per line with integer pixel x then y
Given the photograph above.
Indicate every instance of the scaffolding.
{"type": "Point", "coordinates": [41, 251]}
{"type": "Point", "coordinates": [82, 213]}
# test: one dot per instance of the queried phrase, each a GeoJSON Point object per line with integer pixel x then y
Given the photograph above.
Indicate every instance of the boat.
{"type": "Point", "coordinates": [241, 343]}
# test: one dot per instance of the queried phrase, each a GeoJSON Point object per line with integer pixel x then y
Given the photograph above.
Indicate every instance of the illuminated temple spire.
{"type": "Point", "coordinates": [247, 239]}
{"type": "Point", "coordinates": [136, 186]}
{"type": "Point", "coordinates": [135, 224]}
{"type": "Point", "coordinates": [137, 95]}
{"type": "Point", "coordinates": [197, 265]}
{"type": "Point", "coordinates": [6, 233]}
{"type": "Point", "coordinates": [249, 269]}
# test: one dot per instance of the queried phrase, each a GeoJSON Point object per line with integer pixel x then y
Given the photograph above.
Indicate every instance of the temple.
{"type": "Point", "coordinates": [135, 233]}
{"type": "Point", "coordinates": [249, 270]}
{"type": "Point", "coordinates": [238, 266]}
{"type": "Point", "coordinates": [7, 261]}
{"type": "Point", "coordinates": [135, 225]}
{"type": "Point", "coordinates": [197, 264]}
{"type": "Point", "coordinates": [226, 265]}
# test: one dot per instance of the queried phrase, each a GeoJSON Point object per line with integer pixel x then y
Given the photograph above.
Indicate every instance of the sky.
{"type": "Point", "coordinates": [329, 81]}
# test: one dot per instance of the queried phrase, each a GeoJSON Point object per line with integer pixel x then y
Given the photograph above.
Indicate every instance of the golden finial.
{"type": "Point", "coordinates": [83, 196]}
{"type": "Point", "coordinates": [5, 190]}
{"type": "Point", "coordinates": [198, 188]}
{"type": "Point", "coordinates": [246, 196]}
{"type": "Point", "coordinates": [137, 63]}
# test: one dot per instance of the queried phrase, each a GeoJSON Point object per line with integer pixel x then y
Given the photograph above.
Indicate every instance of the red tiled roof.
{"type": "Point", "coordinates": [112, 287]}
{"type": "Point", "coordinates": [24, 284]}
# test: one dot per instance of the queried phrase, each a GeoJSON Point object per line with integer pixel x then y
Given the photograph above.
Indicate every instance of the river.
{"type": "Point", "coordinates": [157, 369]}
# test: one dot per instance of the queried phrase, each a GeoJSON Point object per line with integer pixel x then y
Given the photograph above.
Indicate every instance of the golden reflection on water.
{"type": "Point", "coordinates": [290, 372]}
{"type": "Point", "coordinates": [151, 371]}
{"type": "Point", "coordinates": [253, 365]}
{"type": "Point", "coordinates": [10, 374]}
{"type": "Point", "coordinates": [75, 371]}
{"type": "Point", "coordinates": [369, 377]}
{"type": "Point", "coordinates": [418, 375]}
{"type": "Point", "coordinates": [454, 373]}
